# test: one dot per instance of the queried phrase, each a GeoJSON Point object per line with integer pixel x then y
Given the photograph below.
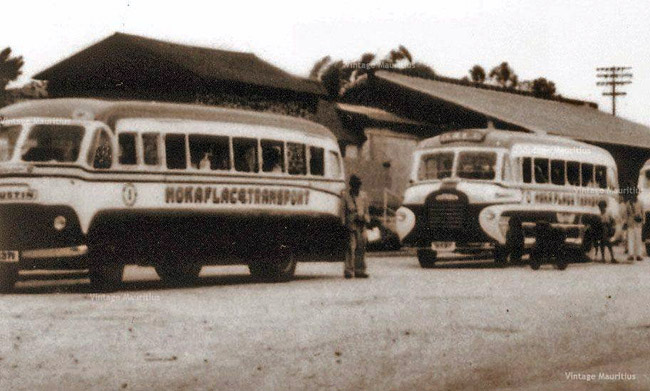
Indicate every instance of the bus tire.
{"type": "Point", "coordinates": [535, 260]}
{"type": "Point", "coordinates": [178, 273]}
{"type": "Point", "coordinates": [427, 258]}
{"type": "Point", "coordinates": [105, 275]}
{"type": "Point", "coordinates": [8, 277]}
{"type": "Point", "coordinates": [647, 248]}
{"type": "Point", "coordinates": [278, 266]}
{"type": "Point", "coordinates": [501, 255]}
{"type": "Point", "coordinates": [561, 264]}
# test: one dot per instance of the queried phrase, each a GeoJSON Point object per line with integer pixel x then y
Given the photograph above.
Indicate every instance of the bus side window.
{"type": "Point", "coordinates": [297, 159]}
{"type": "Point", "coordinates": [316, 161]}
{"type": "Point", "coordinates": [333, 165]}
{"type": "Point", "coordinates": [272, 156]}
{"type": "Point", "coordinates": [175, 151]}
{"type": "Point", "coordinates": [126, 143]}
{"type": "Point", "coordinates": [210, 152]}
{"type": "Point", "coordinates": [573, 173]}
{"type": "Point", "coordinates": [600, 174]}
{"type": "Point", "coordinates": [588, 175]}
{"type": "Point", "coordinates": [245, 150]}
{"type": "Point", "coordinates": [103, 151]}
{"type": "Point", "coordinates": [541, 170]}
{"type": "Point", "coordinates": [526, 170]}
{"type": "Point", "coordinates": [557, 172]}
{"type": "Point", "coordinates": [150, 146]}
{"type": "Point", "coordinates": [612, 180]}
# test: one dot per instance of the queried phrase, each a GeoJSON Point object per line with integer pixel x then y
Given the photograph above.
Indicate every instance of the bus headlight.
{"type": "Point", "coordinates": [504, 225]}
{"type": "Point", "coordinates": [59, 223]}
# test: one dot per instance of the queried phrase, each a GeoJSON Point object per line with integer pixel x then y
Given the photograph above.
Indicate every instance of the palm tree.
{"type": "Point", "coordinates": [9, 68]}
{"type": "Point", "coordinates": [318, 67]}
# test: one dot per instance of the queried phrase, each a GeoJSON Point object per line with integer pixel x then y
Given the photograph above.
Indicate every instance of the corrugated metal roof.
{"type": "Point", "coordinates": [537, 115]}
{"type": "Point", "coordinates": [206, 63]}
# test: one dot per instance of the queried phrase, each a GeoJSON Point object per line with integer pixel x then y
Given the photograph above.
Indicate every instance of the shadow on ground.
{"type": "Point", "coordinates": [75, 282]}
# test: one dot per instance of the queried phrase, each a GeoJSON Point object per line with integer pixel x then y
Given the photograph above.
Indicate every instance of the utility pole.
{"type": "Point", "coordinates": [614, 76]}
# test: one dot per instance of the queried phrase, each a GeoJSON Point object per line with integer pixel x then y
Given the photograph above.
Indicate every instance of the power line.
{"type": "Point", "coordinates": [614, 76]}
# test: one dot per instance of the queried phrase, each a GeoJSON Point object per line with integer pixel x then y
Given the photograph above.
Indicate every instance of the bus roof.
{"type": "Point", "coordinates": [111, 111]}
{"type": "Point", "coordinates": [500, 139]}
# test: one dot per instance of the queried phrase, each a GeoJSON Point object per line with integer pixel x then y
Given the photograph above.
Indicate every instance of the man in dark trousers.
{"type": "Point", "coordinates": [357, 216]}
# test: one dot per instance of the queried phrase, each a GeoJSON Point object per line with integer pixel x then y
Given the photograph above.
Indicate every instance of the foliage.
{"type": "Point", "coordinates": [477, 74]}
{"type": "Point", "coordinates": [9, 67]}
{"type": "Point", "coordinates": [338, 76]}
{"type": "Point", "coordinates": [543, 88]}
{"type": "Point", "coordinates": [9, 71]}
{"type": "Point", "coordinates": [504, 75]}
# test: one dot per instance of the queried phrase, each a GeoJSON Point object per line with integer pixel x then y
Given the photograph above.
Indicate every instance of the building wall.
{"type": "Point", "coordinates": [382, 162]}
{"type": "Point", "coordinates": [394, 149]}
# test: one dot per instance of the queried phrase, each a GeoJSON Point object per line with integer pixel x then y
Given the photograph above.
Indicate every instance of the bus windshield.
{"type": "Point", "coordinates": [436, 166]}
{"type": "Point", "coordinates": [8, 137]}
{"type": "Point", "coordinates": [53, 143]}
{"type": "Point", "coordinates": [477, 165]}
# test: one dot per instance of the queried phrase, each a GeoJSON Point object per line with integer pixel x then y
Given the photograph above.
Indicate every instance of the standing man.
{"type": "Point", "coordinates": [634, 219]}
{"type": "Point", "coordinates": [357, 216]}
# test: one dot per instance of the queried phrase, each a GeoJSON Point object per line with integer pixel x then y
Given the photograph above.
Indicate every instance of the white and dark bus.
{"type": "Point", "coordinates": [644, 197]}
{"type": "Point", "coordinates": [486, 189]}
{"type": "Point", "coordinates": [167, 185]}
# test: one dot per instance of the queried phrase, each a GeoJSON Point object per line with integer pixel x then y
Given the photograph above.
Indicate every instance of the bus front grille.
{"type": "Point", "coordinates": [446, 216]}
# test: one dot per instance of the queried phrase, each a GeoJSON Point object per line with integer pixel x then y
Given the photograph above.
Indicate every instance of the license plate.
{"type": "Point", "coordinates": [9, 256]}
{"type": "Point", "coordinates": [443, 246]}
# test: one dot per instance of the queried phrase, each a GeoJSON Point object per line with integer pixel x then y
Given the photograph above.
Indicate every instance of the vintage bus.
{"type": "Point", "coordinates": [644, 197]}
{"type": "Point", "coordinates": [168, 185]}
{"type": "Point", "coordinates": [486, 189]}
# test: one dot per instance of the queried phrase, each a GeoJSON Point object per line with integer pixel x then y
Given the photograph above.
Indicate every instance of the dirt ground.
{"type": "Point", "coordinates": [458, 326]}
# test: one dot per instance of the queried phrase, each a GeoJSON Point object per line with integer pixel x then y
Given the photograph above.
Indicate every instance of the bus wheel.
{"type": "Point", "coordinates": [647, 249]}
{"type": "Point", "coordinates": [501, 255]}
{"type": "Point", "coordinates": [561, 264]}
{"type": "Point", "coordinates": [427, 258]}
{"type": "Point", "coordinates": [278, 266]}
{"type": "Point", "coordinates": [535, 260]}
{"type": "Point", "coordinates": [8, 277]}
{"type": "Point", "coordinates": [105, 275]}
{"type": "Point", "coordinates": [178, 273]}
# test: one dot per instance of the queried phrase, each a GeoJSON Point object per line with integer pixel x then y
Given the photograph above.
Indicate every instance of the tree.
{"type": "Point", "coordinates": [339, 76]}
{"type": "Point", "coordinates": [543, 88]}
{"type": "Point", "coordinates": [504, 75]}
{"type": "Point", "coordinates": [9, 68]}
{"type": "Point", "coordinates": [477, 73]}
{"type": "Point", "coordinates": [331, 78]}
{"type": "Point", "coordinates": [417, 69]}
{"type": "Point", "coordinates": [318, 67]}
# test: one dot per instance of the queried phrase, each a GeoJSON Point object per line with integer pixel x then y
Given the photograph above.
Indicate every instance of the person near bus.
{"type": "Point", "coordinates": [357, 216]}
{"type": "Point", "coordinates": [634, 220]}
{"type": "Point", "coordinates": [605, 232]}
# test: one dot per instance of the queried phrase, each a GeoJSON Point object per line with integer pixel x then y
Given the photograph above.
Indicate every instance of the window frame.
{"type": "Point", "coordinates": [210, 136]}
{"type": "Point", "coordinates": [92, 151]}
{"type": "Point", "coordinates": [258, 157]}
{"type": "Point", "coordinates": [186, 149]}
{"type": "Point", "coordinates": [161, 151]}
{"type": "Point", "coordinates": [136, 147]}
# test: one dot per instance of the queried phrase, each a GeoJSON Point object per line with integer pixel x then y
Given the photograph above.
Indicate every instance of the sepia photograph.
{"type": "Point", "coordinates": [328, 196]}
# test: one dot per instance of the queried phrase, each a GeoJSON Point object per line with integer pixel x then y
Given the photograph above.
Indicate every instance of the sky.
{"type": "Point", "coordinates": [564, 41]}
